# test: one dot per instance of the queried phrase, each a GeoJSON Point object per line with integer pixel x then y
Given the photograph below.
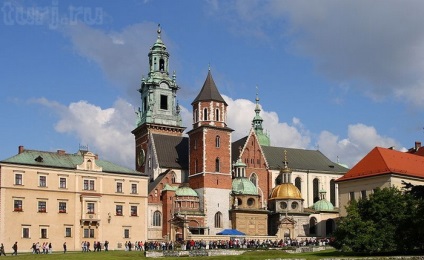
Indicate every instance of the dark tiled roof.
{"type": "Point", "coordinates": [235, 146]}
{"type": "Point", "coordinates": [209, 91]}
{"type": "Point", "coordinates": [172, 151]}
{"type": "Point", "coordinates": [380, 161]}
{"type": "Point", "coordinates": [64, 161]}
{"type": "Point", "coordinates": [155, 182]}
{"type": "Point", "coordinates": [301, 160]}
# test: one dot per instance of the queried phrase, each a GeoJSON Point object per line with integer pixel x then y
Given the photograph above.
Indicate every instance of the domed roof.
{"type": "Point", "coordinates": [186, 191]}
{"type": "Point", "coordinates": [286, 191]}
{"type": "Point", "coordinates": [244, 186]}
{"type": "Point", "coordinates": [323, 205]}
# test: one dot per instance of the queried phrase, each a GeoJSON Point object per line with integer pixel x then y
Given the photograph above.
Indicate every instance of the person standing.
{"type": "Point", "coordinates": [15, 248]}
{"type": "Point", "coordinates": [64, 247]}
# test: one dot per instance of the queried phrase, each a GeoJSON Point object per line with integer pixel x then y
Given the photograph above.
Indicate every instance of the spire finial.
{"type": "Point", "coordinates": [257, 94]}
{"type": "Point", "coordinates": [159, 30]}
{"type": "Point", "coordinates": [209, 66]}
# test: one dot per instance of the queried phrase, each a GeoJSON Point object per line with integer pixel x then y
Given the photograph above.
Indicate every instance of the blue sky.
{"type": "Point", "coordinates": [338, 76]}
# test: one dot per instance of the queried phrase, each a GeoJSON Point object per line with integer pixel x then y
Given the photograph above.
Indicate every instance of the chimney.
{"type": "Point", "coordinates": [61, 152]}
{"type": "Point", "coordinates": [417, 145]}
{"type": "Point", "coordinates": [21, 149]}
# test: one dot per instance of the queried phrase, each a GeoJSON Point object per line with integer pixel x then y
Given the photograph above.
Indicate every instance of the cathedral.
{"type": "Point", "coordinates": [201, 182]}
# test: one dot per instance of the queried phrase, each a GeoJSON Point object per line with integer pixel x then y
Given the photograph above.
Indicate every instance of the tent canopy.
{"type": "Point", "coordinates": [231, 232]}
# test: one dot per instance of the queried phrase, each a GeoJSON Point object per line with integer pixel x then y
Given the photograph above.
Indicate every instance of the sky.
{"type": "Point", "coordinates": [337, 76]}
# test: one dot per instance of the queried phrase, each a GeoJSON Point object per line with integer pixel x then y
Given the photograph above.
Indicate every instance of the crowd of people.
{"type": "Point", "coordinates": [46, 247]}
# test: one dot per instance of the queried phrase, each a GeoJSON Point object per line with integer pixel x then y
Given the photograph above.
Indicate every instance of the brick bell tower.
{"type": "Point", "coordinates": [159, 112]}
{"type": "Point", "coordinates": [210, 155]}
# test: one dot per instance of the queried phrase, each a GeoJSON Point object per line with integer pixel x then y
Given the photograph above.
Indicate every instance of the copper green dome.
{"type": "Point", "coordinates": [186, 191]}
{"type": "Point", "coordinates": [323, 205]}
{"type": "Point", "coordinates": [286, 191]}
{"type": "Point", "coordinates": [243, 186]}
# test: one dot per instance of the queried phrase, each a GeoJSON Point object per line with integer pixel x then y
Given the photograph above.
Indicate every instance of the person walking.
{"type": "Point", "coordinates": [64, 247]}
{"type": "Point", "coordinates": [2, 250]}
{"type": "Point", "coordinates": [15, 248]}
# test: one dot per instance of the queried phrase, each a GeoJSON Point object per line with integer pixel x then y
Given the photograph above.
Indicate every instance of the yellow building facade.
{"type": "Point", "coordinates": [56, 197]}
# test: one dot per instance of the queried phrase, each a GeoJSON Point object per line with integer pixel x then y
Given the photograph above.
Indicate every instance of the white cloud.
{"type": "Point", "coordinates": [241, 113]}
{"type": "Point", "coordinates": [360, 140]}
{"type": "Point", "coordinates": [107, 132]}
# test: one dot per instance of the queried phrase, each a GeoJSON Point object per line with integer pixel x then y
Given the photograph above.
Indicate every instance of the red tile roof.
{"type": "Point", "coordinates": [381, 161]}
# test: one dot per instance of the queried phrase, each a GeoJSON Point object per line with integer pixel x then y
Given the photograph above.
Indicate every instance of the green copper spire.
{"type": "Point", "coordinates": [159, 90]}
{"type": "Point", "coordinates": [263, 138]}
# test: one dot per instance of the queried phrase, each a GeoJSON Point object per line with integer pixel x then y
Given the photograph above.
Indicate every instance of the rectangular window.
{"type": "Point", "coordinates": [126, 233]}
{"type": "Point", "coordinates": [62, 207]}
{"type": "Point", "coordinates": [42, 206]}
{"type": "Point", "coordinates": [62, 183]}
{"type": "Point", "coordinates": [363, 194]}
{"type": "Point", "coordinates": [118, 210]}
{"type": "Point", "coordinates": [90, 208]}
{"type": "Point", "coordinates": [68, 232]}
{"type": "Point", "coordinates": [164, 102]}
{"type": "Point", "coordinates": [18, 179]}
{"type": "Point", "coordinates": [25, 232]}
{"type": "Point", "coordinates": [119, 187]}
{"type": "Point", "coordinates": [133, 210]}
{"type": "Point", "coordinates": [17, 205]}
{"type": "Point", "coordinates": [134, 188]}
{"type": "Point", "coordinates": [351, 195]}
{"type": "Point", "coordinates": [43, 181]}
{"type": "Point", "coordinates": [144, 104]}
{"type": "Point", "coordinates": [43, 232]}
{"type": "Point", "coordinates": [88, 184]}
{"type": "Point", "coordinates": [88, 233]}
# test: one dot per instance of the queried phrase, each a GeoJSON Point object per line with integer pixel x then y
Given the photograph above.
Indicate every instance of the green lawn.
{"type": "Point", "coordinates": [122, 255]}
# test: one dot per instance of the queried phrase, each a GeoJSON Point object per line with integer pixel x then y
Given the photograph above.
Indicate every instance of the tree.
{"type": "Point", "coordinates": [374, 225]}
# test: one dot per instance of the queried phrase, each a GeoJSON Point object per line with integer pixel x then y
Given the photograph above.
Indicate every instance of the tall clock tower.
{"type": "Point", "coordinates": [210, 155]}
{"type": "Point", "coordinates": [159, 111]}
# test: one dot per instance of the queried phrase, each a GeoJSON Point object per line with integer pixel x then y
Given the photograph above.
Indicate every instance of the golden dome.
{"type": "Point", "coordinates": [286, 191]}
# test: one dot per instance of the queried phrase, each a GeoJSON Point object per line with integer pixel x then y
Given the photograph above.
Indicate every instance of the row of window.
{"type": "Point", "coordinates": [26, 232]}
{"type": "Point", "coordinates": [205, 115]}
{"type": "Point", "coordinates": [87, 184]}
{"type": "Point", "coordinates": [87, 233]}
{"type": "Point", "coordinates": [363, 195]}
{"type": "Point", "coordinates": [217, 142]}
{"type": "Point", "coordinates": [217, 165]}
{"type": "Point", "coordinates": [90, 207]}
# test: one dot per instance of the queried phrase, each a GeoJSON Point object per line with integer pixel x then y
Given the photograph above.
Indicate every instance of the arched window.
{"type": "Point", "coordinates": [312, 226]}
{"type": "Point", "coordinates": [254, 179]}
{"type": "Point", "coordinates": [174, 178]}
{"type": "Point", "coordinates": [195, 115]}
{"type": "Point", "coordinates": [315, 185]}
{"type": "Point", "coordinates": [298, 183]}
{"type": "Point", "coordinates": [333, 192]}
{"type": "Point", "coordinates": [217, 164]}
{"type": "Point", "coordinates": [279, 179]}
{"type": "Point", "coordinates": [205, 114]}
{"type": "Point", "coordinates": [218, 217]}
{"type": "Point", "coordinates": [157, 218]}
{"type": "Point", "coordinates": [161, 65]}
{"type": "Point", "coordinates": [217, 114]}
{"type": "Point", "coordinates": [217, 141]}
